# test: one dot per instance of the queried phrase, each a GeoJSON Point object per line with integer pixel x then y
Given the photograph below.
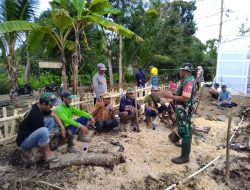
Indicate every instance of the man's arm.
{"type": "Point", "coordinates": [65, 119]}
{"type": "Point", "coordinates": [95, 86]}
{"type": "Point", "coordinates": [186, 94]}
{"type": "Point", "coordinates": [78, 112]}
{"type": "Point", "coordinates": [97, 108]}
{"type": "Point", "coordinates": [59, 122]}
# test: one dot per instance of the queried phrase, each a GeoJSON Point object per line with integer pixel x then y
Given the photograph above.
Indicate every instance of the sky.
{"type": "Point", "coordinates": [207, 17]}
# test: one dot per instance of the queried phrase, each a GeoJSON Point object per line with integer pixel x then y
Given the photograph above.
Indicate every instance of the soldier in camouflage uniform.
{"type": "Point", "coordinates": [184, 106]}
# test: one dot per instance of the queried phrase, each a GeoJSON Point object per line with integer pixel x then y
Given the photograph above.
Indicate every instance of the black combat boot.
{"type": "Point", "coordinates": [185, 151]}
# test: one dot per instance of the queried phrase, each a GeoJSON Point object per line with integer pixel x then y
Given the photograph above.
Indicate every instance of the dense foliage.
{"type": "Point", "coordinates": [167, 28]}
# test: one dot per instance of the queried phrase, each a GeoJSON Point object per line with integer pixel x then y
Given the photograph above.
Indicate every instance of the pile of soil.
{"type": "Point", "coordinates": [148, 157]}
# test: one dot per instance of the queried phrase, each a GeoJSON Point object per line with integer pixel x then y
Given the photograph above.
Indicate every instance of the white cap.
{"type": "Point", "coordinates": [101, 66]}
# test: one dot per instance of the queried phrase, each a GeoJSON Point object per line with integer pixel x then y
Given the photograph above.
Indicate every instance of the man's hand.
{"type": "Point", "coordinates": [156, 111]}
{"type": "Point", "coordinates": [140, 111]}
{"type": "Point", "coordinates": [63, 132]}
{"type": "Point", "coordinates": [92, 119]}
{"type": "Point", "coordinates": [165, 94]}
{"type": "Point", "coordinates": [84, 129]}
{"type": "Point", "coordinates": [128, 109]}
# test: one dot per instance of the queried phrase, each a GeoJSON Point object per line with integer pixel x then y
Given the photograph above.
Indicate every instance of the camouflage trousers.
{"type": "Point", "coordinates": [183, 121]}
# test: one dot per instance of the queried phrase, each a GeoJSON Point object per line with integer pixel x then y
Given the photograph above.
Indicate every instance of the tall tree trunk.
{"type": "Point", "coordinates": [64, 75]}
{"type": "Point", "coordinates": [27, 69]}
{"type": "Point", "coordinates": [76, 58]}
{"type": "Point", "coordinates": [12, 70]}
{"type": "Point", "coordinates": [120, 61]}
{"type": "Point", "coordinates": [111, 78]}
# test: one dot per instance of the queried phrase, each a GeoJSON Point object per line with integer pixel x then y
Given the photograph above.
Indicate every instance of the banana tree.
{"type": "Point", "coordinates": [89, 14]}
{"type": "Point", "coordinates": [56, 34]}
{"type": "Point", "coordinates": [14, 17]}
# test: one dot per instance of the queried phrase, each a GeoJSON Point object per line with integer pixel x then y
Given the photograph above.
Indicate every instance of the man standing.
{"type": "Point", "coordinates": [99, 81]}
{"type": "Point", "coordinates": [33, 132]}
{"type": "Point", "coordinates": [140, 78]}
{"type": "Point", "coordinates": [153, 75]}
{"type": "Point", "coordinates": [104, 114]}
{"type": "Point", "coordinates": [184, 107]}
{"type": "Point", "coordinates": [65, 112]}
{"type": "Point", "coordinates": [200, 77]}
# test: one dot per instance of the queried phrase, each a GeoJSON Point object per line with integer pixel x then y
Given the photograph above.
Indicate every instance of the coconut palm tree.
{"type": "Point", "coordinates": [14, 18]}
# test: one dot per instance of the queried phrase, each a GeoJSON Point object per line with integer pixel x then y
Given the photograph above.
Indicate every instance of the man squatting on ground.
{"type": "Point", "coordinates": [184, 106]}
{"type": "Point", "coordinates": [33, 131]}
{"type": "Point", "coordinates": [224, 98]}
{"type": "Point", "coordinates": [127, 110]}
{"type": "Point", "coordinates": [151, 106]}
{"type": "Point", "coordinates": [214, 92]}
{"type": "Point", "coordinates": [65, 112]}
{"type": "Point", "coordinates": [104, 114]}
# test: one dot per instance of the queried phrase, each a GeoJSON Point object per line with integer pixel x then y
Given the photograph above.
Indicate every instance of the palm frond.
{"type": "Point", "coordinates": [25, 9]}
{"type": "Point", "coordinates": [99, 5]}
{"type": "Point", "coordinates": [7, 10]}
{"type": "Point", "coordinates": [79, 5]}
{"type": "Point", "coordinates": [61, 19]}
{"type": "Point", "coordinates": [113, 27]}
{"type": "Point", "coordinates": [34, 39]}
{"type": "Point", "coordinates": [17, 25]}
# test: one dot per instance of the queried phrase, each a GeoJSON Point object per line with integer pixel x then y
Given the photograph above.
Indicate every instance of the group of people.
{"type": "Point", "coordinates": [222, 98]}
{"type": "Point", "coordinates": [35, 128]}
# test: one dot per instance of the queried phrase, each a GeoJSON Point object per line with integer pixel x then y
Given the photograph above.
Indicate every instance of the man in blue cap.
{"type": "Point", "coordinates": [65, 112]}
{"type": "Point", "coordinates": [184, 106]}
{"type": "Point", "coordinates": [33, 132]}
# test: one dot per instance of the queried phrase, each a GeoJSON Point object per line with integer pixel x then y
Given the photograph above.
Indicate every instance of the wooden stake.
{"type": "Point", "coordinates": [136, 112]}
{"type": "Point", "coordinates": [227, 151]}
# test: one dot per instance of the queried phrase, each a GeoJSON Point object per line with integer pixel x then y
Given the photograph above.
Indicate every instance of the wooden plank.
{"type": "Point", "coordinates": [1, 135]}
{"type": "Point", "coordinates": [12, 117]}
{"type": "Point", "coordinates": [49, 64]}
{"type": "Point", "coordinates": [7, 140]}
{"type": "Point", "coordinates": [5, 123]}
{"type": "Point", "coordinates": [13, 124]}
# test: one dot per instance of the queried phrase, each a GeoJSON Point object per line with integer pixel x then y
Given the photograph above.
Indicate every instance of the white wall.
{"type": "Point", "coordinates": [233, 64]}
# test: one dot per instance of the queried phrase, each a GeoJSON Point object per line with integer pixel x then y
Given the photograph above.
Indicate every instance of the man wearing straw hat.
{"type": "Point", "coordinates": [104, 114]}
{"type": "Point", "coordinates": [184, 106]}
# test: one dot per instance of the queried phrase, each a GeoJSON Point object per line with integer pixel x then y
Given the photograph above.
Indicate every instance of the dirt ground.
{"type": "Point", "coordinates": [148, 157]}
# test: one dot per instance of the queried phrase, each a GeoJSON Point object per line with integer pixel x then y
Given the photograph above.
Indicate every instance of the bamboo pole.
{"type": "Point", "coordinates": [136, 112]}
{"type": "Point", "coordinates": [227, 151]}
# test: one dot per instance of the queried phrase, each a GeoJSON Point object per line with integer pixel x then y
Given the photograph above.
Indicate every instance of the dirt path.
{"type": "Point", "coordinates": [148, 157]}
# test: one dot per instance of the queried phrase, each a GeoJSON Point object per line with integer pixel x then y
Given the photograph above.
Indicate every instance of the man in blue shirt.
{"type": "Point", "coordinates": [127, 110]}
{"type": "Point", "coordinates": [140, 78]}
{"type": "Point", "coordinates": [224, 98]}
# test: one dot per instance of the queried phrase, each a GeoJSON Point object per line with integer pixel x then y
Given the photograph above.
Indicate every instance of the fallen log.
{"type": "Point", "coordinates": [93, 159]}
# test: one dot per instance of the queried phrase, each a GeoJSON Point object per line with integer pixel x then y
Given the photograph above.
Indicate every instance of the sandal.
{"type": "Point", "coordinates": [53, 158]}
